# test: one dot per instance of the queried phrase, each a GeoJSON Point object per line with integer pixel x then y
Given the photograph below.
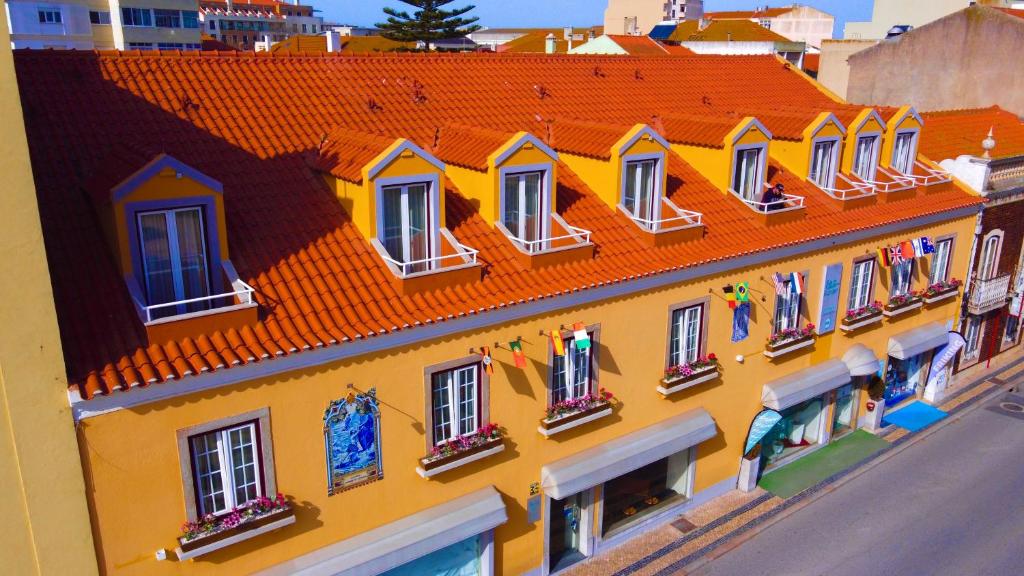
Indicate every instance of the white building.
{"type": "Point", "coordinates": [257, 24]}
{"type": "Point", "coordinates": [796, 22]}
{"type": "Point", "coordinates": [889, 13]}
{"type": "Point", "coordinates": [638, 17]}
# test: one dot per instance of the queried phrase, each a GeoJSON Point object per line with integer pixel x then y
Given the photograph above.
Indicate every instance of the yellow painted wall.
{"type": "Point", "coordinates": [854, 130]}
{"type": "Point", "coordinates": [134, 477]}
{"type": "Point", "coordinates": [45, 528]}
{"type": "Point", "coordinates": [795, 156]}
{"type": "Point", "coordinates": [601, 176]}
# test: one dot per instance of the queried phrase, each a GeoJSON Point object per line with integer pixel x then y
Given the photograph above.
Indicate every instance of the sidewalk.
{"type": "Point", "coordinates": [730, 519]}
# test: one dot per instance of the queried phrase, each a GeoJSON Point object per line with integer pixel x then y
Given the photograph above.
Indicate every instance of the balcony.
{"type": "Point", "coordinates": [677, 225]}
{"type": "Point", "coordinates": [455, 264]}
{"type": "Point", "coordinates": [565, 244]}
{"type": "Point", "coordinates": [889, 182]}
{"type": "Point", "coordinates": [847, 187]}
{"type": "Point", "coordinates": [924, 175]}
{"type": "Point", "coordinates": [988, 295]}
{"type": "Point", "coordinates": [777, 212]}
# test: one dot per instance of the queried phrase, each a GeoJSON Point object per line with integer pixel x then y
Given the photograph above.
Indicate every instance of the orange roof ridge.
{"type": "Point", "coordinates": [699, 130]}
{"type": "Point", "coordinates": [467, 145]}
{"type": "Point", "coordinates": [345, 151]}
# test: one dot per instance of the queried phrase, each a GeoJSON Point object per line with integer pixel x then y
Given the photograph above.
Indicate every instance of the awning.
{"type": "Point", "coordinates": [921, 339]}
{"type": "Point", "coordinates": [624, 454]}
{"type": "Point", "coordinates": [805, 384]}
{"type": "Point", "coordinates": [403, 540]}
{"type": "Point", "coordinates": [861, 360]}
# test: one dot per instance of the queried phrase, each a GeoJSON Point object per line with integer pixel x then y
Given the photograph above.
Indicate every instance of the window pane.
{"type": "Point", "coordinates": [864, 165]}
{"type": "Point", "coordinates": [441, 397]}
{"type": "Point", "coordinates": [559, 388]}
{"type": "Point", "coordinates": [675, 349]}
{"type": "Point", "coordinates": [510, 213]}
{"type": "Point", "coordinates": [192, 251]}
{"type": "Point", "coordinates": [693, 320]}
{"type": "Point", "coordinates": [392, 211]}
{"type": "Point", "coordinates": [156, 258]}
{"type": "Point", "coordinates": [467, 400]}
{"type": "Point", "coordinates": [419, 242]}
{"type": "Point", "coordinates": [580, 369]}
{"type": "Point", "coordinates": [629, 197]}
{"type": "Point", "coordinates": [243, 460]}
{"type": "Point", "coordinates": [207, 473]}
{"type": "Point", "coordinates": [645, 194]}
{"type": "Point", "coordinates": [532, 214]}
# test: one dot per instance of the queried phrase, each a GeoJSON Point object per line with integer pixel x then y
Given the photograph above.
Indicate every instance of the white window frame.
{"type": "Point", "coordinates": [455, 401]}
{"type": "Point", "coordinates": [657, 193]}
{"type": "Point", "coordinates": [873, 171]}
{"type": "Point", "coordinates": [170, 216]}
{"type": "Point", "coordinates": [762, 158]}
{"type": "Point", "coordinates": [941, 258]}
{"type": "Point", "coordinates": [787, 312]}
{"type": "Point", "coordinates": [901, 277]}
{"type": "Point", "coordinates": [225, 457]}
{"type": "Point", "coordinates": [914, 139]}
{"type": "Point", "coordinates": [833, 165]}
{"type": "Point", "coordinates": [50, 15]}
{"type": "Point", "coordinates": [972, 336]}
{"type": "Point", "coordinates": [569, 365]}
{"type": "Point", "coordinates": [988, 260]}
{"type": "Point", "coordinates": [686, 339]}
{"type": "Point", "coordinates": [860, 291]}
{"type": "Point", "coordinates": [545, 207]}
{"type": "Point", "coordinates": [433, 217]}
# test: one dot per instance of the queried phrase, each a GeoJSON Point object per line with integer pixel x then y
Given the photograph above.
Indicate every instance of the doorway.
{"type": "Point", "coordinates": [567, 531]}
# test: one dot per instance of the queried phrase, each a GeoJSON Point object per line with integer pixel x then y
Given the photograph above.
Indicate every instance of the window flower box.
{"type": "Point", "coordinates": [941, 291]}
{"type": "Point", "coordinates": [688, 375]}
{"type": "Point", "coordinates": [860, 317]}
{"type": "Point", "coordinates": [789, 340]}
{"type": "Point", "coordinates": [576, 412]}
{"type": "Point", "coordinates": [902, 304]}
{"type": "Point", "coordinates": [211, 532]}
{"type": "Point", "coordinates": [488, 440]}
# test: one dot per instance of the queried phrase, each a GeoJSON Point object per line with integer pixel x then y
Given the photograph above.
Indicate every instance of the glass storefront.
{"type": "Point", "coordinates": [459, 559]}
{"type": "Point", "coordinates": [564, 531]}
{"type": "Point", "coordinates": [644, 491]}
{"type": "Point", "coordinates": [800, 428]}
{"type": "Point", "coordinates": [842, 414]}
{"type": "Point", "coordinates": [904, 377]}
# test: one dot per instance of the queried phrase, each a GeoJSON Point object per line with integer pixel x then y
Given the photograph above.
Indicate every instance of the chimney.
{"type": "Point", "coordinates": [590, 34]}
{"type": "Point", "coordinates": [231, 5]}
{"type": "Point", "coordinates": [333, 41]}
{"type": "Point", "coordinates": [567, 33]}
{"type": "Point", "coordinates": [549, 44]}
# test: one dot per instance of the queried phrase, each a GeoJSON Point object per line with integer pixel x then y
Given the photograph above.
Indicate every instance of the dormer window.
{"type": "Point", "coordinates": [407, 231]}
{"type": "Point", "coordinates": [640, 195]}
{"type": "Point", "coordinates": [865, 159]}
{"type": "Point", "coordinates": [904, 152]}
{"type": "Point", "coordinates": [748, 173]}
{"type": "Point", "coordinates": [523, 209]}
{"type": "Point", "coordinates": [824, 159]}
{"type": "Point", "coordinates": [174, 261]}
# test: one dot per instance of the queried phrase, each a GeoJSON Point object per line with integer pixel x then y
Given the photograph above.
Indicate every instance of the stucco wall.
{"type": "Point", "coordinates": [967, 60]}
{"type": "Point", "coordinates": [834, 67]}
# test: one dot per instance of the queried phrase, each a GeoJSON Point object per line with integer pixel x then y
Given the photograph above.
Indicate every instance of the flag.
{"type": "Point", "coordinates": [556, 343]}
{"type": "Point", "coordinates": [741, 322]}
{"type": "Point", "coordinates": [730, 296]}
{"type": "Point", "coordinates": [517, 353]}
{"type": "Point", "coordinates": [927, 246]}
{"type": "Point", "coordinates": [579, 334]}
{"type": "Point", "coordinates": [485, 352]}
{"type": "Point", "coordinates": [743, 292]}
{"type": "Point", "coordinates": [895, 255]}
{"type": "Point", "coordinates": [780, 283]}
{"type": "Point", "coordinates": [918, 250]}
{"type": "Point", "coordinates": [796, 283]}
{"type": "Point", "coordinates": [884, 257]}
{"type": "Point", "coordinates": [907, 250]}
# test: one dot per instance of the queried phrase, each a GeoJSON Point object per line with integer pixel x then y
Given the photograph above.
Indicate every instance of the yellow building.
{"type": "Point", "coordinates": [46, 527]}
{"type": "Point", "coordinates": [496, 314]}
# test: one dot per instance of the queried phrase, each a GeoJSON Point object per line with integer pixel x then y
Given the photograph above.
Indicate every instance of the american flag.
{"type": "Point", "coordinates": [780, 283]}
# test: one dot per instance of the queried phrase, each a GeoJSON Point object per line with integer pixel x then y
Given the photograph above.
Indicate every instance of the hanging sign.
{"type": "Point", "coordinates": [833, 280]}
{"type": "Point", "coordinates": [759, 428]}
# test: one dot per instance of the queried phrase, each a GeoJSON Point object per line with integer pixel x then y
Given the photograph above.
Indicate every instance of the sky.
{"type": "Point", "coordinates": [557, 13]}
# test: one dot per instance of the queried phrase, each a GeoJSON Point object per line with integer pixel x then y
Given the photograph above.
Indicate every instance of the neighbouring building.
{"type": "Point", "coordinates": [533, 40]}
{"type": "Point", "coordinates": [404, 291]}
{"type": "Point", "coordinates": [984, 149]}
{"type": "Point", "coordinates": [104, 25]}
{"type": "Point", "coordinates": [889, 13]}
{"type": "Point", "coordinates": [639, 17]}
{"type": "Point", "coordinates": [248, 24]}
{"type": "Point", "coordinates": [735, 37]}
{"type": "Point", "coordinates": [834, 65]}
{"type": "Point", "coordinates": [46, 515]}
{"type": "Point", "coordinates": [796, 22]}
{"type": "Point", "coordinates": [628, 45]}
{"type": "Point", "coordinates": [334, 42]}
{"type": "Point", "coordinates": [977, 71]}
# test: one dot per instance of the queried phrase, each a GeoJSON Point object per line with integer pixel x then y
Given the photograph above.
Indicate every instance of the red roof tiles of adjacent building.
{"type": "Point", "coordinates": [724, 31]}
{"type": "Point", "coordinates": [812, 62]}
{"type": "Point", "coordinates": [748, 14]}
{"type": "Point", "coordinates": [345, 152]}
{"type": "Point", "coordinates": [1012, 12]}
{"type": "Point", "coordinates": [251, 123]}
{"type": "Point", "coordinates": [708, 131]}
{"type": "Point", "coordinates": [468, 146]}
{"type": "Point", "coordinates": [954, 133]}
{"type": "Point", "coordinates": [317, 43]}
{"type": "Point", "coordinates": [644, 46]}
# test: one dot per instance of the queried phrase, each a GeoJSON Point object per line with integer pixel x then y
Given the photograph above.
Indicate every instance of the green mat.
{"type": "Point", "coordinates": [805, 472]}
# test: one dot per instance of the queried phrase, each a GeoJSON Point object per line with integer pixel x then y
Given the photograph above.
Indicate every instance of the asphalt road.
{"type": "Point", "coordinates": [953, 503]}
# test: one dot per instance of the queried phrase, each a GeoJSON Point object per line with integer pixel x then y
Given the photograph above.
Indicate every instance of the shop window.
{"type": "Point", "coordinates": [640, 195]}
{"type": "Point", "coordinates": [636, 495]}
{"type": "Point", "coordinates": [748, 171]}
{"type": "Point", "coordinates": [842, 414]}
{"type": "Point", "coordinates": [1012, 329]}
{"type": "Point", "coordinates": [523, 208]}
{"type": "Point", "coordinates": [865, 159]}
{"type": "Point", "coordinates": [455, 402]}
{"type": "Point", "coordinates": [903, 152]}
{"type": "Point", "coordinates": [787, 308]}
{"type": "Point", "coordinates": [824, 159]}
{"type": "Point", "coordinates": [799, 428]}
{"type": "Point", "coordinates": [174, 259]}
{"type": "Point", "coordinates": [460, 559]}
{"type": "Point", "coordinates": [407, 232]}
{"type": "Point", "coordinates": [572, 373]}
{"type": "Point", "coordinates": [227, 463]}
{"type": "Point", "coordinates": [902, 277]}
{"type": "Point", "coordinates": [861, 284]}
{"type": "Point", "coordinates": [686, 334]}
{"type": "Point", "coordinates": [940, 261]}
{"type": "Point", "coordinates": [904, 377]}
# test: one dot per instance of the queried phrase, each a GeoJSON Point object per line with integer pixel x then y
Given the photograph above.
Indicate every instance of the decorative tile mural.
{"type": "Point", "coordinates": [352, 440]}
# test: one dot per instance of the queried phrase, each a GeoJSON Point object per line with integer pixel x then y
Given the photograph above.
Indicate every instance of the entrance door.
{"type": "Point", "coordinates": [902, 378]}
{"type": "Point", "coordinates": [842, 415]}
{"type": "Point", "coordinates": [564, 532]}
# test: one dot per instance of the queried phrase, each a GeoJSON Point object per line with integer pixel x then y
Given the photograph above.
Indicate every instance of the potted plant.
{"type": "Point", "coordinates": [941, 290]}
{"type": "Point", "coordinates": [561, 414]}
{"type": "Point", "coordinates": [859, 317]}
{"type": "Point", "coordinates": [689, 374]}
{"type": "Point", "coordinates": [203, 534]}
{"type": "Point", "coordinates": [788, 340]}
{"type": "Point", "coordinates": [486, 438]}
{"type": "Point", "coordinates": [902, 303]}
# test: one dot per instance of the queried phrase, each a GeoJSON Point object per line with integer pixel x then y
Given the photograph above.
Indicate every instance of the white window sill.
{"type": "Point", "coordinates": [240, 537]}
{"type": "Point", "coordinates": [679, 384]}
{"type": "Point", "coordinates": [903, 309]}
{"type": "Point", "coordinates": [555, 428]}
{"type": "Point", "coordinates": [860, 322]}
{"type": "Point", "coordinates": [941, 297]}
{"type": "Point", "coordinates": [785, 348]}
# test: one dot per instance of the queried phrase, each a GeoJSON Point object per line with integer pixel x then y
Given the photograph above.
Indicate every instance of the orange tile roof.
{"type": "Point", "coordinates": [953, 133]}
{"type": "Point", "coordinates": [723, 31]}
{"type": "Point", "coordinates": [639, 45]}
{"type": "Point", "coordinates": [211, 43]}
{"type": "Point", "coordinates": [1012, 12]}
{"type": "Point", "coordinates": [345, 152]}
{"type": "Point", "coordinates": [693, 130]}
{"type": "Point", "coordinates": [468, 146]}
{"type": "Point", "coordinates": [252, 121]}
{"type": "Point", "coordinates": [317, 43]}
{"type": "Point", "coordinates": [748, 14]}
{"type": "Point", "coordinates": [812, 62]}
{"type": "Point", "coordinates": [535, 42]}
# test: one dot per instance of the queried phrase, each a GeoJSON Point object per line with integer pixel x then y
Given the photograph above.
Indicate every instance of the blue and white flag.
{"type": "Point", "coordinates": [759, 428]}
{"type": "Point", "coordinates": [741, 322]}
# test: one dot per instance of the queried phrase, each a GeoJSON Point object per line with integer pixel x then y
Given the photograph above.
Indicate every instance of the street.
{"type": "Point", "coordinates": [952, 503]}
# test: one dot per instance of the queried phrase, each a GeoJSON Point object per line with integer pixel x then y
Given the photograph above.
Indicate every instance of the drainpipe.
{"type": "Point", "coordinates": [969, 280]}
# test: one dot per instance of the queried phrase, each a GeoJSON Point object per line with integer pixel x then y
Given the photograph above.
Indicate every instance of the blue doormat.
{"type": "Point", "coordinates": [915, 416]}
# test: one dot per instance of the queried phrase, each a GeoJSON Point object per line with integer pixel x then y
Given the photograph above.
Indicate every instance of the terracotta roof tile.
{"type": "Point", "coordinates": [709, 130]}
{"type": "Point", "coordinates": [723, 30]}
{"type": "Point", "coordinates": [256, 123]}
{"type": "Point", "coordinates": [953, 133]}
{"type": "Point", "coordinates": [468, 146]}
{"type": "Point", "coordinates": [640, 45]}
{"type": "Point", "coordinates": [346, 151]}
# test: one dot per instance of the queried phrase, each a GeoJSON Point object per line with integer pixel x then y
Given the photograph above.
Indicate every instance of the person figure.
{"type": "Point", "coordinates": [772, 197]}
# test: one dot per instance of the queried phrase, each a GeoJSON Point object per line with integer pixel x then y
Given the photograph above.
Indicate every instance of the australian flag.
{"type": "Point", "coordinates": [926, 245]}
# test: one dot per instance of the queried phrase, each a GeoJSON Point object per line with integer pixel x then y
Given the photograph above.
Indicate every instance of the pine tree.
{"type": "Point", "coordinates": [427, 24]}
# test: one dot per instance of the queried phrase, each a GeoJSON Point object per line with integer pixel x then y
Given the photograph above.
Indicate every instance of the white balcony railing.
{"type": "Point", "coordinates": [677, 218]}
{"type": "Point", "coordinates": [855, 190]}
{"type": "Point", "coordinates": [242, 291]}
{"type": "Point", "coordinates": [788, 203]}
{"type": "Point", "coordinates": [573, 237]}
{"type": "Point", "coordinates": [895, 183]}
{"type": "Point", "coordinates": [464, 255]}
{"type": "Point", "coordinates": [988, 295]}
{"type": "Point", "coordinates": [930, 177]}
